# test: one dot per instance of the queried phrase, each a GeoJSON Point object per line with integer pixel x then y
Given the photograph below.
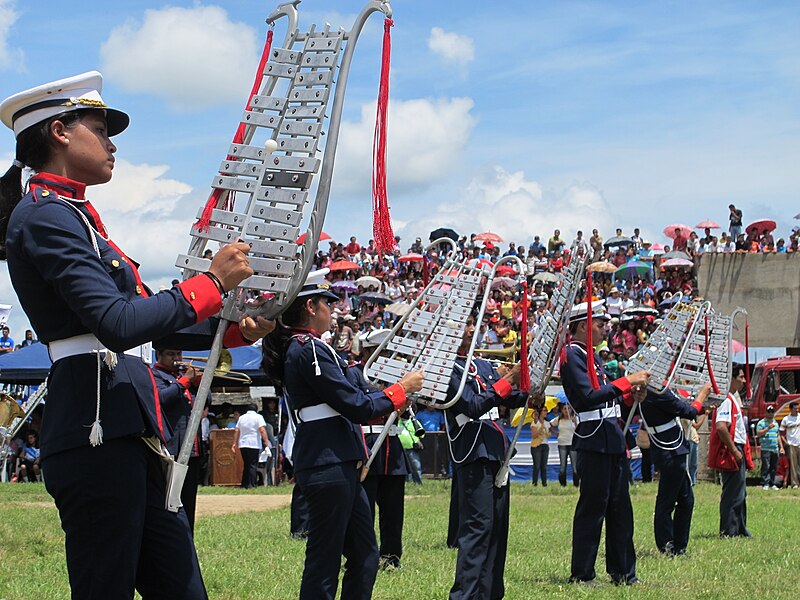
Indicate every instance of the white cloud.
{"type": "Point", "coordinates": [192, 57]}
{"type": "Point", "coordinates": [452, 47]}
{"type": "Point", "coordinates": [426, 140]}
{"type": "Point", "coordinates": [517, 208]}
{"type": "Point", "coordinates": [9, 57]}
{"type": "Point", "coordinates": [141, 188]}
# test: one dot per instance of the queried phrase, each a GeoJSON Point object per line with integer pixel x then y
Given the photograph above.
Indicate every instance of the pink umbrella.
{"type": "Point", "coordinates": [322, 236]}
{"type": "Point", "coordinates": [760, 226]}
{"type": "Point", "coordinates": [506, 270]}
{"type": "Point", "coordinates": [480, 263]}
{"type": "Point", "coordinates": [737, 346]}
{"type": "Point", "coordinates": [411, 257]}
{"type": "Point", "coordinates": [676, 262]}
{"type": "Point", "coordinates": [707, 225]}
{"type": "Point", "coordinates": [488, 236]}
{"type": "Point", "coordinates": [343, 265]}
{"type": "Point", "coordinates": [669, 231]}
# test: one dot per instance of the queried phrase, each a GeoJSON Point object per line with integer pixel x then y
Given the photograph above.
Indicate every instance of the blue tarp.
{"type": "Point", "coordinates": [32, 364]}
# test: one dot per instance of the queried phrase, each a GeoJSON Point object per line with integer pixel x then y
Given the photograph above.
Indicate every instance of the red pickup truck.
{"type": "Point", "coordinates": [777, 382]}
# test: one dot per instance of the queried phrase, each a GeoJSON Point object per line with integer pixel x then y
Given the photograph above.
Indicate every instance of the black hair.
{"type": "Point", "coordinates": [33, 150]}
{"type": "Point", "coordinates": [252, 406]}
{"type": "Point", "coordinates": [736, 369]}
{"type": "Point", "coordinates": [273, 348]}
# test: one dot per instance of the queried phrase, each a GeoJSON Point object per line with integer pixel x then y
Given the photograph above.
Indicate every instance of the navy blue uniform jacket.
{"type": "Point", "coordinates": [483, 390]}
{"type": "Point", "coordinates": [658, 409]}
{"type": "Point", "coordinates": [337, 439]}
{"type": "Point", "coordinates": [605, 437]}
{"type": "Point", "coordinates": [176, 405]}
{"type": "Point", "coordinates": [67, 290]}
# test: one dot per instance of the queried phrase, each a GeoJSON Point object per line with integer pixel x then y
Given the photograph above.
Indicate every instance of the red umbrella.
{"type": "Point", "coordinates": [322, 236]}
{"type": "Point", "coordinates": [488, 236]}
{"type": "Point", "coordinates": [412, 257]}
{"type": "Point", "coordinates": [506, 270]}
{"type": "Point", "coordinates": [669, 231]}
{"type": "Point", "coordinates": [737, 346]}
{"type": "Point", "coordinates": [760, 226]}
{"type": "Point", "coordinates": [480, 263]}
{"type": "Point", "coordinates": [343, 265]}
{"type": "Point", "coordinates": [707, 225]}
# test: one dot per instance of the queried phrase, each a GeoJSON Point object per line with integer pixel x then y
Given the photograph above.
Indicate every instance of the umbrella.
{"type": "Point", "coordinates": [343, 265]}
{"type": "Point", "coordinates": [669, 230]}
{"type": "Point", "coordinates": [367, 281]}
{"type": "Point", "coordinates": [547, 277]}
{"type": "Point", "coordinates": [760, 226]}
{"type": "Point", "coordinates": [640, 311]}
{"type": "Point", "coordinates": [602, 266]}
{"type": "Point", "coordinates": [443, 232]}
{"type": "Point", "coordinates": [347, 286]}
{"type": "Point", "coordinates": [707, 225]}
{"type": "Point", "coordinates": [375, 298]}
{"type": "Point", "coordinates": [322, 236]}
{"type": "Point", "coordinates": [677, 254]}
{"type": "Point", "coordinates": [672, 300]}
{"type": "Point", "coordinates": [633, 268]}
{"type": "Point", "coordinates": [503, 282]}
{"type": "Point", "coordinates": [412, 257]}
{"type": "Point", "coordinates": [480, 263]}
{"type": "Point", "coordinates": [550, 402]}
{"type": "Point", "coordinates": [617, 240]}
{"type": "Point", "coordinates": [676, 262]}
{"type": "Point", "coordinates": [488, 236]}
{"type": "Point", "coordinates": [506, 270]}
{"type": "Point", "coordinates": [398, 308]}
{"type": "Point", "coordinates": [737, 346]}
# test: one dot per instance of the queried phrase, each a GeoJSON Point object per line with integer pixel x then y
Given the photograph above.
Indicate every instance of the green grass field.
{"type": "Point", "coordinates": [250, 554]}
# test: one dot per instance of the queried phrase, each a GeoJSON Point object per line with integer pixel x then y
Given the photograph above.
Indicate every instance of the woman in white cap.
{"type": "Point", "coordinates": [328, 402]}
{"type": "Point", "coordinates": [85, 299]}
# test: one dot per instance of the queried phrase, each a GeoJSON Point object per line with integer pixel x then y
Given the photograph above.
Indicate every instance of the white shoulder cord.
{"type": "Point", "coordinates": [450, 440]}
{"type": "Point", "coordinates": [109, 358]}
{"type": "Point", "coordinates": [666, 446]}
{"type": "Point", "coordinates": [599, 422]}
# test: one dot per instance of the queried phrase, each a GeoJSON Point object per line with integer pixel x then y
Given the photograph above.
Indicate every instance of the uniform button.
{"type": "Point", "coordinates": [390, 392]}
{"type": "Point", "coordinates": [45, 194]}
{"type": "Point", "coordinates": [115, 263]}
{"type": "Point", "coordinates": [138, 289]}
{"type": "Point", "coordinates": [192, 295]}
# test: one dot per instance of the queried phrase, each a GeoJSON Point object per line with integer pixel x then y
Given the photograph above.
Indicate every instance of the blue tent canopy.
{"type": "Point", "coordinates": [32, 363]}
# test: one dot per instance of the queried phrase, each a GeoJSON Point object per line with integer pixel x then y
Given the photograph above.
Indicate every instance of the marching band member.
{"type": "Point", "coordinates": [478, 447]}
{"type": "Point", "coordinates": [176, 390]}
{"type": "Point", "coordinates": [601, 449]}
{"type": "Point", "coordinates": [329, 449]}
{"type": "Point", "coordinates": [661, 414]}
{"type": "Point", "coordinates": [85, 299]}
{"type": "Point", "coordinates": [385, 482]}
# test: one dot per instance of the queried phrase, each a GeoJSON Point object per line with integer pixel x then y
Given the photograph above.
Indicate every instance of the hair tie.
{"type": "Point", "coordinates": [18, 164]}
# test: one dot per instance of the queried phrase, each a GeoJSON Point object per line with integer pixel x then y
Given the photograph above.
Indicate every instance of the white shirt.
{"type": "Point", "coordinates": [724, 415]}
{"type": "Point", "coordinates": [614, 305]}
{"type": "Point", "coordinates": [248, 425]}
{"type": "Point", "coordinates": [793, 434]}
{"type": "Point", "coordinates": [566, 429]}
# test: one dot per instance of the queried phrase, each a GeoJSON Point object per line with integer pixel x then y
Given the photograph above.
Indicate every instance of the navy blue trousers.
{"type": "Point", "coordinates": [604, 496]}
{"type": "Point", "coordinates": [339, 524]}
{"type": "Point", "coordinates": [675, 495]}
{"type": "Point", "coordinates": [482, 532]}
{"type": "Point", "coordinates": [388, 492]}
{"type": "Point", "coordinates": [119, 536]}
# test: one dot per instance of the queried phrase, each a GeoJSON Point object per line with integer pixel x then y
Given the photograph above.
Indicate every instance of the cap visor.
{"type": "Point", "coordinates": [117, 121]}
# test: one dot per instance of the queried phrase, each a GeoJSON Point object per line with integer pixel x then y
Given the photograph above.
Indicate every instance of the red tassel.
{"type": "Point", "coordinates": [591, 367]}
{"type": "Point", "coordinates": [524, 373]}
{"type": "Point", "coordinates": [426, 276]}
{"type": "Point", "coordinates": [204, 221]}
{"type": "Point", "coordinates": [381, 220]}
{"type": "Point", "coordinates": [708, 362]}
{"type": "Point", "coordinates": [747, 357]}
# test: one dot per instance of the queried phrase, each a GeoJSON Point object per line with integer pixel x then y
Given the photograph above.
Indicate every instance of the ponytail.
{"type": "Point", "coordinates": [10, 195]}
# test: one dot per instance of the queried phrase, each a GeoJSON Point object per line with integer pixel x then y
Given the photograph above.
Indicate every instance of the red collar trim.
{"type": "Point", "coordinates": [69, 188]}
{"type": "Point", "coordinates": [299, 330]}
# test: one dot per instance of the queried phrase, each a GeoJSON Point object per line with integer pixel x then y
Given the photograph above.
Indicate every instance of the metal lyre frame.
{"type": "Point", "coordinates": [544, 349]}
{"type": "Point", "coordinates": [273, 246]}
{"type": "Point", "coordinates": [429, 350]}
{"type": "Point", "coordinates": [7, 434]}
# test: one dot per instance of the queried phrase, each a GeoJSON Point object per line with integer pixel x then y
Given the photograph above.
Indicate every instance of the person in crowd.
{"type": "Point", "coordinates": [477, 447]}
{"type": "Point", "coordinates": [691, 428]}
{"type": "Point", "coordinates": [768, 435]}
{"type": "Point", "coordinates": [596, 244]}
{"type": "Point", "coordinates": [555, 243]}
{"type": "Point", "coordinates": [536, 245]}
{"type": "Point", "coordinates": [98, 319]}
{"type": "Point", "coordinates": [29, 457]}
{"type": "Point", "coordinates": [342, 340]}
{"type": "Point", "coordinates": [540, 450]}
{"type": "Point", "coordinates": [790, 431]}
{"type": "Point", "coordinates": [565, 423]}
{"type": "Point", "coordinates": [431, 418]}
{"type": "Point", "coordinates": [353, 248]}
{"type": "Point", "coordinates": [411, 434]}
{"type": "Point", "coordinates": [177, 386]}
{"type": "Point", "coordinates": [669, 449]}
{"type": "Point", "coordinates": [6, 342]}
{"type": "Point", "coordinates": [250, 438]}
{"type": "Point", "coordinates": [729, 423]}
{"type": "Point", "coordinates": [29, 339]}
{"type": "Point", "coordinates": [329, 451]}
{"type": "Point", "coordinates": [601, 448]}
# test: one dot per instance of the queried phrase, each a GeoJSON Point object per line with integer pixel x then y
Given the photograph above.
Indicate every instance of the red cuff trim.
{"type": "Point", "coordinates": [397, 395]}
{"type": "Point", "coordinates": [624, 386]}
{"type": "Point", "coordinates": [185, 382]}
{"type": "Point", "coordinates": [502, 388]}
{"type": "Point", "coordinates": [698, 406]}
{"type": "Point", "coordinates": [203, 295]}
{"type": "Point", "coordinates": [233, 337]}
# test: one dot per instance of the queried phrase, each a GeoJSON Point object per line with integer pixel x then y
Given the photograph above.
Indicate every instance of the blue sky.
{"type": "Point", "coordinates": [516, 117]}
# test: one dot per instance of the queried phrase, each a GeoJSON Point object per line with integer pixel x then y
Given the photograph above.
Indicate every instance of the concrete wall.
{"type": "Point", "coordinates": [766, 285]}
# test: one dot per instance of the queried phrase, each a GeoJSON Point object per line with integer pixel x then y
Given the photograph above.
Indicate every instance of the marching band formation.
{"type": "Point", "coordinates": [114, 422]}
